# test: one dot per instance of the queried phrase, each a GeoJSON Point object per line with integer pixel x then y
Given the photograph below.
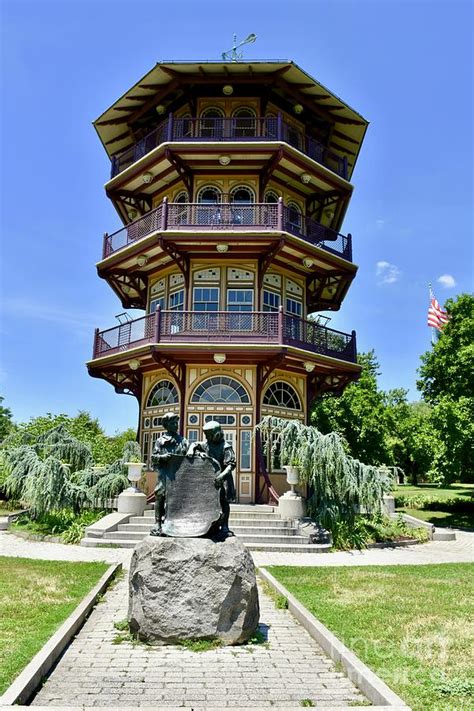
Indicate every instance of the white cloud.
{"type": "Point", "coordinates": [380, 224]}
{"type": "Point", "coordinates": [447, 280]}
{"type": "Point", "coordinates": [387, 273]}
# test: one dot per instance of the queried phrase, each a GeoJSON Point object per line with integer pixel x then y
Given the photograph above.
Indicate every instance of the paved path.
{"type": "Point", "coordinates": [459, 551]}
{"type": "Point", "coordinates": [291, 667]}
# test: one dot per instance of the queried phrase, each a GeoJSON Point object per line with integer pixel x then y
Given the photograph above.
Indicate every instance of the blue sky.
{"type": "Point", "coordinates": [405, 65]}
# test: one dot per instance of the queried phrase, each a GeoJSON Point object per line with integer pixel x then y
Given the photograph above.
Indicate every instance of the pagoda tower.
{"type": "Point", "coordinates": [231, 180]}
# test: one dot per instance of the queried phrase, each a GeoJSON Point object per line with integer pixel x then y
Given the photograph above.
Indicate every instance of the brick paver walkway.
{"type": "Point", "coordinates": [290, 668]}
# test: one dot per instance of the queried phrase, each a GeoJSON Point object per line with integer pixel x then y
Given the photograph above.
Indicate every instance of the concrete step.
{"type": "Point", "coordinates": [445, 534]}
{"type": "Point", "coordinates": [239, 526]}
{"type": "Point", "coordinates": [289, 547]}
{"type": "Point", "coordinates": [260, 522]}
{"type": "Point", "coordinates": [103, 543]}
{"type": "Point", "coordinates": [261, 515]}
{"type": "Point", "coordinates": [254, 531]}
{"type": "Point", "coordinates": [126, 535]}
{"type": "Point", "coordinates": [253, 507]}
{"type": "Point", "coordinates": [267, 538]}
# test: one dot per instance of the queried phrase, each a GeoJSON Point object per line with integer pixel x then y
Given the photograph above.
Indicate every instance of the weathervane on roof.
{"type": "Point", "coordinates": [232, 54]}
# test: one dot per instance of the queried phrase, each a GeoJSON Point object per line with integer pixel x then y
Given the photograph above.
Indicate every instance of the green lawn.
{"type": "Point", "coordinates": [36, 596]}
{"type": "Point", "coordinates": [452, 507]}
{"type": "Point", "coordinates": [443, 518]}
{"type": "Point", "coordinates": [410, 624]}
{"type": "Point", "coordinates": [427, 490]}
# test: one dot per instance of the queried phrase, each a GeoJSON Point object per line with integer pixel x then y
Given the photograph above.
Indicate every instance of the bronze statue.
{"type": "Point", "coordinates": [192, 496]}
{"type": "Point", "coordinates": [166, 445]}
{"type": "Point", "coordinates": [216, 447]}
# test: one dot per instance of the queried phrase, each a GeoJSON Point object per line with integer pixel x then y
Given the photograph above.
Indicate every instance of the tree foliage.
{"type": "Point", "coordinates": [6, 422]}
{"type": "Point", "coordinates": [447, 383]}
{"type": "Point", "coordinates": [82, 427]}
{"type": "Point", "coordinates": [55, 471]}
{"type": "Point", "coordinates": [340, 484]}
{"type": "Point", "coordinates": [359, 415]}
{"type": "Point", "coordinates": [447, 369]}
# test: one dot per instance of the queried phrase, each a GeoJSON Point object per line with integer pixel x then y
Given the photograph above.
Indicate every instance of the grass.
{"type": "Point", "coordinates": [428, 490]}
{"type": "Point", "coordinates": [443, 518]}
{"type": "Point", "coordinates": [410, 624]}
{"type": "Point", "coordinates": [452, 507]}
{"type": "Point", "coordinates": [36, 596]}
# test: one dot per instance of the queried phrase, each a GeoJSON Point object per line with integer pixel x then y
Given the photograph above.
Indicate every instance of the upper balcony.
{"type": "Point", "coordinates": [259, 217]}
{"type": "Point", "coordinates": [211, 130]}
{"type": "Point", "coordinates": [196, 329]}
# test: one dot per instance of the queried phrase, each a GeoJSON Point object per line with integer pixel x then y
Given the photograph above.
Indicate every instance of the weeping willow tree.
{"type": "Point", "coordinates": [56, 471]}
{"type": "Point", "coordinates": [340, 485]}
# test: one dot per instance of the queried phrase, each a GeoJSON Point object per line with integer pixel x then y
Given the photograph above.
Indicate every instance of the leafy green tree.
{"type": "Point", "coordinates": [447, 383]}
{"type": "Point", "coordinates": [447, 369]}
{"type": "Point", "coordinates": [359, 415]}
{"type": "Point", "coordinates": [6, 422]}
{"type": "Point", "coordinates": [83, 427]}
{"type": "Point", "coordinates": [55, 471]}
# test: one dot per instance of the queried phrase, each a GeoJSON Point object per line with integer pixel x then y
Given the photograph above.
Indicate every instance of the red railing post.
{"type": "Point", "coordinates": [157, 324]}
{"type": "Point", "coordinates": [280, 324]}
{"type": "Point", "coordinates": [96, 343]}
{"type": "Point", "coordinates": [280, 214]}
{"type": "Point", "coordinates": [164, 215]}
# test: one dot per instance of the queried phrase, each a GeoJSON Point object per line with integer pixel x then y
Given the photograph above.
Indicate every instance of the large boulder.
{"type": "Point", "coordinates": [192, 588]}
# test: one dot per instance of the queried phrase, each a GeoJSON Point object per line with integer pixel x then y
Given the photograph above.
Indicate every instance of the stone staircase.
{"type": "Point", "coordinates": [259, 527]}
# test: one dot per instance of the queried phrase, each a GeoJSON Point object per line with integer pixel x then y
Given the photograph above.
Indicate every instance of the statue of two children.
{"type": "Point", "coordinates": [214, 446]}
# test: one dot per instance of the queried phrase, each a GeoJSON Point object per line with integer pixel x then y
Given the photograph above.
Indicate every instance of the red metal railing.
{"type": "Point", "coordinates": [246, 327]}
{"type": "Point", "coordinates": [230, 216]}
{"type": "Point", "coordinates": [267, 128]}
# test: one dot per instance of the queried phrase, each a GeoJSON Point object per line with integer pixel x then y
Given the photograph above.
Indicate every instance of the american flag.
{"type": "Point", "coordinates": [437, 317]}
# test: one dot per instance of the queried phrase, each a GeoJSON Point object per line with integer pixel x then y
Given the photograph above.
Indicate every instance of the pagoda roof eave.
{"type": "Point", "coordinates": [113, 123]}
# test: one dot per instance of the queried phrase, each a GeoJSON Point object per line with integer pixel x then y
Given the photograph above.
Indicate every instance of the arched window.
{"type": "Point", "coordinates": [182, 196]}
{"type": "Point", "coordinates": [244, 122]}
{"type": "Point", "coordinates": [163, 393]}
{"type": "Point", "coordinates": [180, 211]}
{"type": "Point", "coordinates": [240, 197]}
{"type": "Point", "coordinates": [271, 197]}
{"type": "Point", "coordinates": [281, 394]}
{"type": "Point", "coordinates": [212, 123]}
{"type": "Point", "coordinates": [294, 218]}
{"type": "Point", "coordinates": [220, 388]}
{"type": "Point", "coordinates": [208, 211]}
{"type": "Point", "coordinates": [209, 195]}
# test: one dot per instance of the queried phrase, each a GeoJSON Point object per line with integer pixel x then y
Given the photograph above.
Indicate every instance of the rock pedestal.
{"type": "Point", "coordinates": [192, 588]}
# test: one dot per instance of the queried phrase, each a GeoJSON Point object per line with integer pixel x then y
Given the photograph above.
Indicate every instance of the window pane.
{"type": "Point", "coordinates": [245, 450]}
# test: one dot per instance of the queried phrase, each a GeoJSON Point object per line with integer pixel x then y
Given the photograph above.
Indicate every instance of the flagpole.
{"type": "Point", "coordinates": [433, 335]}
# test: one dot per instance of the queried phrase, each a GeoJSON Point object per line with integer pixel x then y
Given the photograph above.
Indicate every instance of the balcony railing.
{"type": "Point", "coordinates": [230, 216]}
{"type": "Point", "coordinates": [268, 128]}
{"type": "Point", "coordinates": [214, 327]}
